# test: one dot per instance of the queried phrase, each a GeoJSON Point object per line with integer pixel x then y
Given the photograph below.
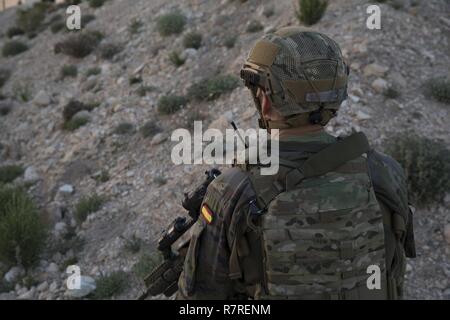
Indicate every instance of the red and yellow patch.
{"type": "Point", "coordinates": [207, 213]}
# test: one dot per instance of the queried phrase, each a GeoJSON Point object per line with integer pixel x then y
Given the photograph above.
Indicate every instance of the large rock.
{"type": "Point", "coordinates": [13, 274]}
{"type": "Point", "coordinates": [31, 174]}
{"type": "Point", "coordinates": [380, 85]}
{"type": "Point", "coordinates": [374, 70]}
{"type": "Point", "coordinates": [87, 286]}
{"type": "Point", "coordinates": [42, 99]}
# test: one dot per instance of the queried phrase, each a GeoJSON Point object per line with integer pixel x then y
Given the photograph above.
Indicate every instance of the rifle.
{"type": "Point", "coordinates": [164, 278]}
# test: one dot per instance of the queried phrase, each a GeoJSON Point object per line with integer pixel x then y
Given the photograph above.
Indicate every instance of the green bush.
{"type": "Point", "coordinates": [86, 206]}
{"type": "Point", "coordinates": [170, 23]}
{"type": "Point", "coordinates": [176, 59]}
{"type": "Point", "coordinates": [254, 26]}
{"type": "Point", "coordinates": [311, 11]}
{"type": "Point", "coordinates": [427, 166]}
{"type": "Point", "coordinates": [439, 89]}
{"type": "Point", "coordinates": [109, 50]}
{"type": "Point", "coordinates": [150, 128]}
{"type": "Point", "coordinates": [143, 90]}
{"type": "Point", "coordinates": [9, 173]}
{"type": "Point", "coordinates": [73, 107]}
{"type": "Point", "coordinates": [135, 26]}
{"type": "Point", "coordinates": [13, 47]}
{"type": "Point", "coordinates": [69, 71]}
{"type": "Point", "coordinates": [96, 3]}
{"type": "Point", "coordinates": [57, 26]}
{"type": "Point", "coordinates": [4, 76]}
{"type": "Point", "coordinates": [4, 109]}
{"type": "Point", "coordinates": [93, 71]}
{"type": "Point", "coordinates": [170, 104]}
{"type": "Point", "coordinates": [210, 89]}
{"type": "Point", "coordinates": [192, 40]}
{"type": "Point", "coordinates": [124, 128]}
{"type": "Point", "coordinates": [22, 92]}
{"type": "Point", "coordinates": [79, 45]}
{"type": "Point", "coordinates": [14, 31]}
{"type": "Point", "coordinates": [75, 123]}
{"type": "Point", "coordinates": [391, 93]}
{"type": "Point", "coordinates": [110, 285]}
{"type": "Point", "coordinates": [86, 18]}
{"type": "Point", "coordinates": [133, 244]}
{"type": "Point", "coordinates": [135, 80]}
{"type": "Point", "coordinates": [146, 264]}
{"type": "Point", "coordinates": [31, 20]}
{"type": "Point", "coordinates": [22, 233]}
{"type": "Point", "coordinates": [230, 41]}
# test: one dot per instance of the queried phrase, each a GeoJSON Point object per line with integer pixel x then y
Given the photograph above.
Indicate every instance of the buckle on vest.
{"type": "Point", "coordinates": [254, 209]}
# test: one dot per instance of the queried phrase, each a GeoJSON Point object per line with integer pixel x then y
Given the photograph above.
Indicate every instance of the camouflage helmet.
{"type": "Point", "coordinates": [302, 71]}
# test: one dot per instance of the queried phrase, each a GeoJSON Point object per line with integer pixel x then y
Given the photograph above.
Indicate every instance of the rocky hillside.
{"type": "Point", "coordinates": [113, 140]}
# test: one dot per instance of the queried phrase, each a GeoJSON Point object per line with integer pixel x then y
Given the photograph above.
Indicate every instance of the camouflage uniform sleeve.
{"type": "Point", "coordinates": [206, 273]}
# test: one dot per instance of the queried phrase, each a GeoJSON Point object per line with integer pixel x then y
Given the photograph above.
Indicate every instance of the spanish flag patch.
{"type": "Point", "coordinates": [207, 213]}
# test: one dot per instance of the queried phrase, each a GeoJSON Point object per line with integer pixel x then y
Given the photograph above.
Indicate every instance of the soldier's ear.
{"type": "Point", "coordinates": [266, 105]}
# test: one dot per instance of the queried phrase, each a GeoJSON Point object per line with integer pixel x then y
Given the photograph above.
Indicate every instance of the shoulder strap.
{"type": "Point", "coordinates": [292, 173]}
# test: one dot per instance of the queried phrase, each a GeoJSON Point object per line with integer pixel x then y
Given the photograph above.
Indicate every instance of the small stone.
{"type": "Point", "coordinates": [374, 70]}
{"type": "Point", "coordinates": [60, 229]}
{"type": "Point", "coordinates": [29, 295]}
{"type": "Point", "coordinates": [52, 268]}
{"type": "Point", "coordinates": [409, 268]}
{"type": "Point", "coordinates": [87, 285]}
{"type": "Point", "coordinates": [83, 114]}
{"type": "Point", "coordinates": [31, 174]}
{"type": "Point", "coordinates": [379, 85]}
{"type": "Point", "coordinates": [42, 99]}
{"type": "Point", "coordinates": [447, 233]}
{"type": "Point", "coordinates": [53, 286]}
{"type": "Point", "coordinates": [361, 115]}
{"type": "Point", "coordinates": [269, 29]}
{"type": "Point", "coordinates": [42, 287]}
{"type": "Point", "coordinates": [67, 188]}
{"type": "Point", "coordinates": [13, 274]}
{"type": "Point", "coordinates": [158, 138]}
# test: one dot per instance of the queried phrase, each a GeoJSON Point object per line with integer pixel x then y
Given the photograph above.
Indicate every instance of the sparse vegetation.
{"type": "Point", "coordinates": [268, 11]}
{"type": "Point", "coordinates": [146, 264]}
{"type": "Point", "coordinates": [9, 173]}
{"type": "Point", "coordinates": [210, 89]}
{"type": "Point", "coordinates": [134, 80]}
{"type": "Point", "coordinates": [439, 89]}
{"type": "Point", "coordinates": [57, 26]}
{"type": "Point", "coordinates": [86, 206]}
{"type": "Point", "coordinates": [176, 59]}
{"type": "Point", "coordinates": [143, 90]}
{"type": "Point", "coordinates": [159, 180]}
{"type": "Point", "coordinates": [170, 104]}
{"type": "Point", "coordinates": [135, 26]}
{"type": "Point", "coordinates": [150, 128]}
{"type": "Point", "coordinates": [391, 93]}
{"type": "Point", "coordinates": [254, 26]}
{"type": "Point", "coordinates": [230, 41]}
{"type": "Point", "coordinates": [31, 20]}
{"type": "Point", "coordinates": [86, 18]}
{"type": "Point", "coordinates": [22, 233]}
{"type": "Point", "coordinates": [13, 48]}
{"type": "Point", "coordinates": [75, 123]}
{"type": "Point", "coordinates": [192, 40]}
{"type": "Point", "coordinates": [109, 50]}
{"type": "Point", "coordinates": [110, 285]}
{"type": "Point", "coordinates": [14, 31]}
{"type": "Point", "coordinates": [93, 71]}
{"type": "Point", "coordinates": [96, 3]}
{"type": "Point", "coordinates": [102, 176]}
{"type": "Point", "coordinates": [79, 45]}
{"type": "Point", "coordinates": [69, 71]}
{"type": "Point", "coordinates": [311, 11]}
{"type": "Point", "coordinates": [4, 76]}
{"type": "Point", "coordinates": [170, 23]}
{"type": "Point", "coordinates": [427, 166]}
{"type": "Point", "coordinates": [124, 128]}
{"type": "Point", "coordinates": [133, 244]}
{"type": "Point", "coordinates": [22, 92]}
{"type": "Point", "coordinates": [4, 109]}
{"type": "Point", "coordinates": [73, 107]}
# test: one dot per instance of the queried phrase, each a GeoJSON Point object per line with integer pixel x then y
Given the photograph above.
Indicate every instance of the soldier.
{"type": "Point", "coordinates": [335, 210]}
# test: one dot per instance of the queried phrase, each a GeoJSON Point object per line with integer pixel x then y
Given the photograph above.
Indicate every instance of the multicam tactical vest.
{"type": "Point", "coordinates": [322, 227]}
